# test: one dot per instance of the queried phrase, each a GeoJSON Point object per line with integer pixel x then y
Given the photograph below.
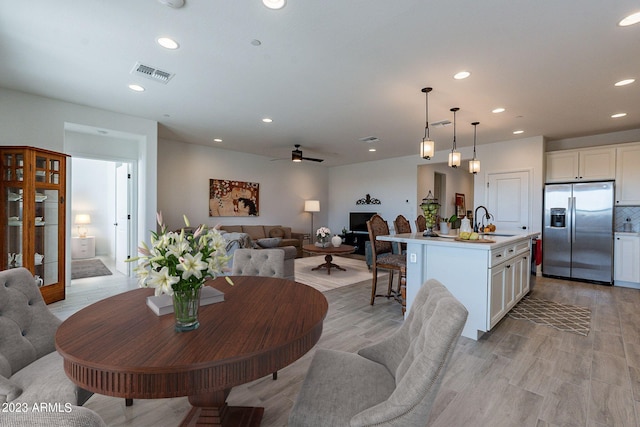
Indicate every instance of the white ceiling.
{"type": "Point", "coordinates": [330, 72]}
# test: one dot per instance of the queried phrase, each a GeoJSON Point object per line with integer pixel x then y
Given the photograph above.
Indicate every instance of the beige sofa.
{"type": "Point", "coordinates": [258, 232]}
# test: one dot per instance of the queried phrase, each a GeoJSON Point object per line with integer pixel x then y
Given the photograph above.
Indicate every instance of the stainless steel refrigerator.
{"type": "Point", "coordinates": [577, 237]}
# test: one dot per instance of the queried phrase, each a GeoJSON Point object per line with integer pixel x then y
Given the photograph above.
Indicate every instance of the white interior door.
{"type": "Point", "coordinates": [123, 217]}
{"type": "Point", "coordinates": [508, 200]}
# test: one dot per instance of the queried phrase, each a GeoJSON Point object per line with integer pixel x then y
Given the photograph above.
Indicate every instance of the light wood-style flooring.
{"type": "Point", "coordinates": [520, 374]}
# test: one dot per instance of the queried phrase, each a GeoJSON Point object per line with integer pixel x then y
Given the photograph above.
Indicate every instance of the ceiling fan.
{"type": "Point", "coordinates": [296, 155]}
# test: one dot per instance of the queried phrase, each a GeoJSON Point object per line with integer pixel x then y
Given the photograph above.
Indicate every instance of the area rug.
{"type": "Point", "coordinates": [83, 268]}
{"type": "Point", "coordinates": [563, 317]}
{"type": "Point", "coordinates": [357, 271]}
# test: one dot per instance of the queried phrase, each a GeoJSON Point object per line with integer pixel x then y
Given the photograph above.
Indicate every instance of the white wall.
{"type": "Point", "coordinates": [93, 193]}
{"type": "Point", "coordinates": [395, 181]}
{"type": "Point", "coordinates": [510, 156]}
{"type": "Point", "coordinates": [184, 171]}
{"type": "Point", "coordinates": [40, 122]}
{"type": "Point", "coordinates": [458, 180]}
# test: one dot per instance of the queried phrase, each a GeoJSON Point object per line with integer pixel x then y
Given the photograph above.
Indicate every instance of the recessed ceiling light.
{"type": "Point", "coordinates": [168, 43]}
{"type": "Point", "coordinates": [274, 4]}
{"type": "Point", "coordinates": [256, 42]}
{"type": "Point", "coordinates": [267, 120]}
{"type": "Point", "coordinates": [518, 132]}
{"type": "Point", "coordinates": [461, 75]}
{"type": "Point", "coordinates": [372, 149]}
{"type": "Point", "coordinates": [625, 82]}
{"type": "Point", "coordinates": [498, 110]}
{"type": "Point", "coordinates": [217, 140]}
{"type": "Point", "coordinates": [618, 115]}
{"type": "Point", "coordinates": [136, 88]}
{"type": "Point", "coordinates": [630, 20]}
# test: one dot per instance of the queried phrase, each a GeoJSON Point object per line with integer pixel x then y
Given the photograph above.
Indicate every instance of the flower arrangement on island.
{"type": "Point", "coordinates": [181, 262]}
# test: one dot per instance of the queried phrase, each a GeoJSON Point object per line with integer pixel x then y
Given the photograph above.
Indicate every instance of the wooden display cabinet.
{"type": "Point", "coordinates": [32, 216]}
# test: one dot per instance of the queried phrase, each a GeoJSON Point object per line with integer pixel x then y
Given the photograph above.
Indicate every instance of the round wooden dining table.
{"type": "Point", "coordinates": [119, 347]}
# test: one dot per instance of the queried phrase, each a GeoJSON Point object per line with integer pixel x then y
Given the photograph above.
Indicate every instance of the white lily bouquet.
{"type": "Point", "coordinates": [179, 262]}
{"type": "Point", "coordinates": [323, 234]}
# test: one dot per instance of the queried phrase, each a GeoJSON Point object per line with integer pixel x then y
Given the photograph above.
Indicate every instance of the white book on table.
{"type": "Point", "coordinates": [163, 304]}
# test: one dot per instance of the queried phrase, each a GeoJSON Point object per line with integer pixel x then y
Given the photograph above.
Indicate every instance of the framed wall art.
{"type": "Point", "coordinates": [233, 198]}
{"type": "Point", "coordinates": [460, 209]}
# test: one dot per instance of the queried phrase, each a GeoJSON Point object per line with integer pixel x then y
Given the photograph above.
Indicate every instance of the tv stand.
{"type": "Point", "coordinates": [357, 239]}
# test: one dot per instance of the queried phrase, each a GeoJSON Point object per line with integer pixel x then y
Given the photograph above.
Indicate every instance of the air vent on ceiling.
{"type": "Point", "coordinates": [440, 124]}
{"type": "Point", "coordinates": [151, 73]}
{"type": "Point", "coordinates": [369, 139]}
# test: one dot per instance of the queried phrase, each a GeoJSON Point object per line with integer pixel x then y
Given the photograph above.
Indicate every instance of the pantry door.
{"type": "Point", "coordinates": [508, 201]}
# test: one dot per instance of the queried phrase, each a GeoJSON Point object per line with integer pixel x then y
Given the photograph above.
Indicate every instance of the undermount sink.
{"type": "Point", "coordinates": [498, 234]}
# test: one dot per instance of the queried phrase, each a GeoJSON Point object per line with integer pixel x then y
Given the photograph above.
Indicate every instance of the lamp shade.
{"type": "Point", "coordinates": [312, 205]}
{"type": "Point", "coordinates": [83, 219]}
{"type": "Point", "coordinates": [427, 148]}
{"type": "Point", "coordinates": [454, 159]}
{"type": "Point", "coordinates": [474, 166]}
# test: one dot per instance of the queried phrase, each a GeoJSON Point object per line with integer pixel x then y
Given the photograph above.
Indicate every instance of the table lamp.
{"type": "Point", "coordinates": [82, 220]}
{"type": "Point", "coordinates": [312, 206]}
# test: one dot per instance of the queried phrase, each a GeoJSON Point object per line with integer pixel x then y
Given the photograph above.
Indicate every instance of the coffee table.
{"type": "Point", "coordinates": [329, 251]}
{"type": "Point", "coordinates": [119, 347]}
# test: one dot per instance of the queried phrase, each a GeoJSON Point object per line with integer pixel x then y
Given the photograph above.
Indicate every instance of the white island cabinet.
{"type": "Point", "coordinates": [487, 278]}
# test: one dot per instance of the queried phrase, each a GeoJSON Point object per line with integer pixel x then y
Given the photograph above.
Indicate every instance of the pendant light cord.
{"type": "Point", "coordinates": [454, 128]}
{"type": "Point", "coordinates": [426, 91]}
{"type": "Point", "coordinates": [475, 132]}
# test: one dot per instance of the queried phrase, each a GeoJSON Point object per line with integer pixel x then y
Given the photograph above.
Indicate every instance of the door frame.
{"type": "Point", "coordinates": [133, 197]}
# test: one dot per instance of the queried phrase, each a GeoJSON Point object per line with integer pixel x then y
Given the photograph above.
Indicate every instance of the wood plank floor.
{"type": "Point", "coordinates": [520, 374]}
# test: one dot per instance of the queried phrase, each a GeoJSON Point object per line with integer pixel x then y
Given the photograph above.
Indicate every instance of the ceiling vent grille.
{"type": "Point", "coordinates": [151, 73]}
{"type": "Point", "coordinates": [369, 139]}
{"type": "Point", "coordinates": [440, 124]}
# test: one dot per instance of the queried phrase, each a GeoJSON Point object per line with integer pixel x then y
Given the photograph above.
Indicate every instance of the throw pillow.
{"type": "Point", "coordinates": [271, 242]}
{"type": "Point", "coordinates": [276, 232]}
{"type": "Point", "coordinates": [8, 390]}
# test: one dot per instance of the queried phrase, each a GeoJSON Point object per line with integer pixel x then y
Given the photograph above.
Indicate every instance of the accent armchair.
{"type": "Point", "coordinates": [391, 383]}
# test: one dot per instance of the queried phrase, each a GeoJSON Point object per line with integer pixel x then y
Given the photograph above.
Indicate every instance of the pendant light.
{"type": "Point", "coordinates": [454, 156]}
{"type": "Point", "coordinates": [427, 146]}
{"type": "Point", "coordinates": [474, 164]}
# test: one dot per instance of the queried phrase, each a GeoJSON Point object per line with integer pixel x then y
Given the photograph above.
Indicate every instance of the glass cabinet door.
{"type": "Point", "coordinates": [13, 227]}
{"type": "Point", "coordinates": [33, 216]}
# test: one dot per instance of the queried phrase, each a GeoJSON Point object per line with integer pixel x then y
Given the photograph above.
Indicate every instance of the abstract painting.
{"type": "Point", "coordinates": [233, 198]}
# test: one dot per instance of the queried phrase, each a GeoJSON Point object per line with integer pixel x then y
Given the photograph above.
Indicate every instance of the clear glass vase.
{"type": "Point", "coordinates": [185, 309]}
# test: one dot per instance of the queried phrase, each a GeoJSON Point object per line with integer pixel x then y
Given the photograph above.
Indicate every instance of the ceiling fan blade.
{"type": "Point", "coordinates": [312, 159]}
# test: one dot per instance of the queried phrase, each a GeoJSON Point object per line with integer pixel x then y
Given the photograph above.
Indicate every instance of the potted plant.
{"type": "Point", "coordinates": [447, 223]}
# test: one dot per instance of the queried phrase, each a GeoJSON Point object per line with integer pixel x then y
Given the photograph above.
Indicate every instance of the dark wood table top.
{"type": "Point", "coordinates": [119, 347]}
{"type": "Point", "coordinates": [342, 249]}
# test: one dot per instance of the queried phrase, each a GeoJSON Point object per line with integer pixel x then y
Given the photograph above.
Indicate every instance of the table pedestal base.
{"type": "Point", "coordinates": [241, 416]}
{"type": "Point", "coordinates": [328, 265]}
{"type": "Point", "coordinates": [211, 409]}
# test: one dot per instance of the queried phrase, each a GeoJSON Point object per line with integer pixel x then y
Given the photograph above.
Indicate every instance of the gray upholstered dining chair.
{"type": "Point", "coordinates": [391, 383]}
{"type": "Point", "coordinates": [31, 370]}
{"type": "Point", "coordinates": [258, 262]}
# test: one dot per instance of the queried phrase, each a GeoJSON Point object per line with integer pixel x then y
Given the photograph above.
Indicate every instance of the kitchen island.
{"type": "Point", "coordinates": [488, 278]}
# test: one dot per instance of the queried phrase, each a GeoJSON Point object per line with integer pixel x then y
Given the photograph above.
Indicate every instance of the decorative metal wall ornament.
{"type": "Point", "coordinates": [368, 200]}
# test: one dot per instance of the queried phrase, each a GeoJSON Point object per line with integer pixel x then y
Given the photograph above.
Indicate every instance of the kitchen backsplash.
{"type": "Point", "coordinates": [624, 212]}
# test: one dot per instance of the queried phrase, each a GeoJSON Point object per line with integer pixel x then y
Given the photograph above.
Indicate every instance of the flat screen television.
{"type": "Point", "coordinates": [358, 221]}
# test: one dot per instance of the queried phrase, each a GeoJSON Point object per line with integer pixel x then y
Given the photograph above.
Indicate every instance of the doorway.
{"type": "Point", "coordinates": [101, 189]}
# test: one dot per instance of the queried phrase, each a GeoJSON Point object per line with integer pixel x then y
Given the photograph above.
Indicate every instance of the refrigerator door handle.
{"type": "Point", "coordinates": [572, 207]}
{"type": "Point", "coordinates": [569, 220]}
